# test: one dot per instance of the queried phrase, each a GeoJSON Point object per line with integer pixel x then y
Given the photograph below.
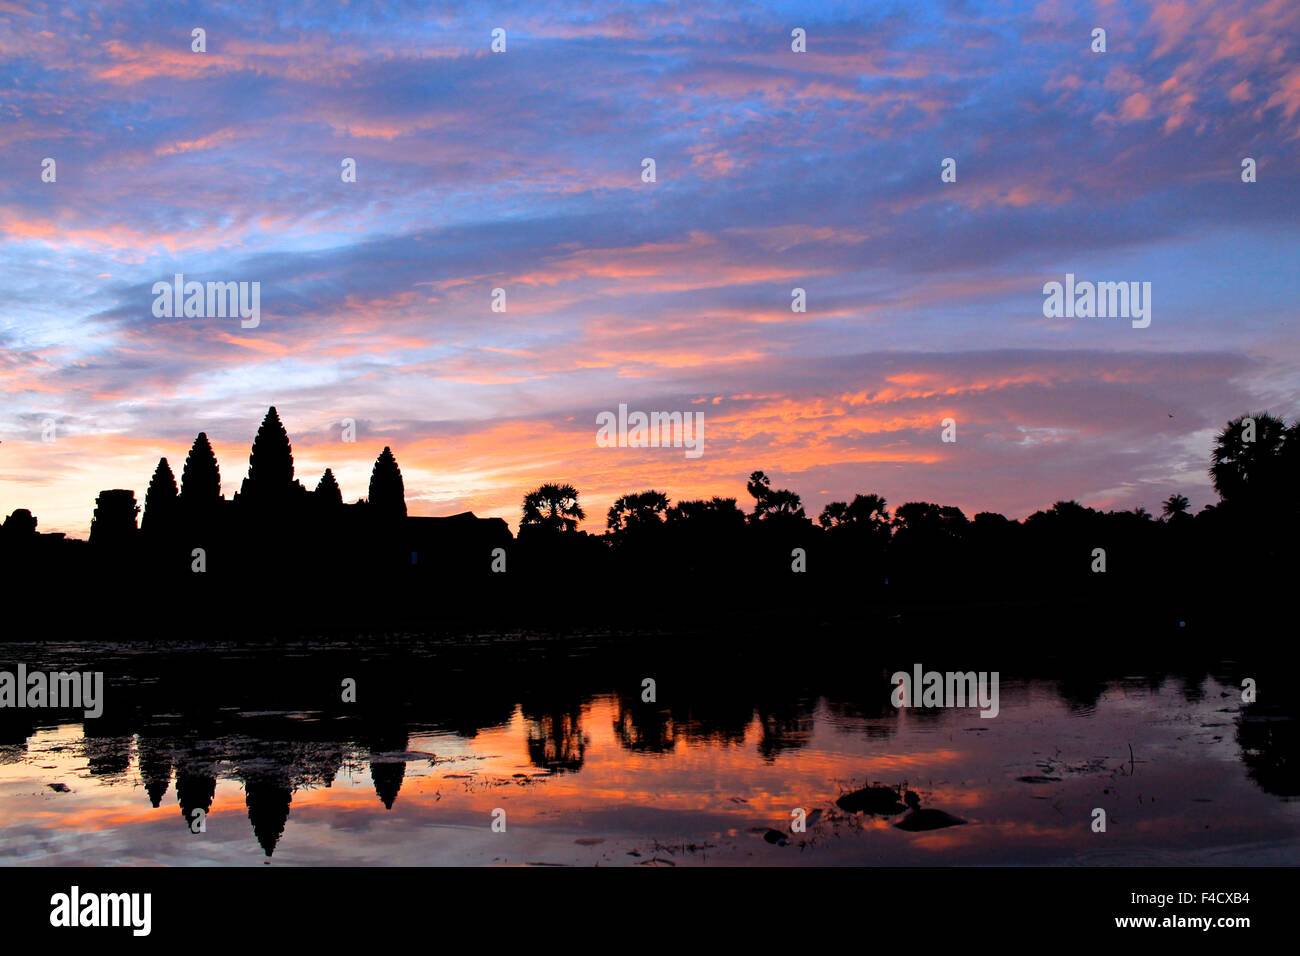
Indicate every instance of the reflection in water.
{"type": "Point", "coordinates": [560, 737]}
{"type": "Point", "coordinates": [1270, 746]}
{"type": "Point", "coordinates": [195, 790]}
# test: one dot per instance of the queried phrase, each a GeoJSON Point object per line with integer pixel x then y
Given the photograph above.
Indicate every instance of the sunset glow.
{"type": "Point", "coordinates": [522, 172]}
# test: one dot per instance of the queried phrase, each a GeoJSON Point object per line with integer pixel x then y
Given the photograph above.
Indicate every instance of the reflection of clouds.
{"type": "Point", "coordinates": [318, 802]}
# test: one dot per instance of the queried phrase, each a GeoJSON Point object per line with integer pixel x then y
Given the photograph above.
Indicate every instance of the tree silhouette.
{"type": "Point", "coordinates": [772, 502]}
{"type": "Point", "coordinates": [387, 493]}
{"type": "Point", "coordinates": [327, 490]}
{"type": "Point", "coordinates": [834, 515]}
{"type": "Point", "coordinates": [160, 499]}
{"type": "Point", "coordinates": [707, 537]}
{"type": "Point", "coordinates": [200, 478]}
{"type": "Point", "coordinates": [1246, 471]}
{"type": "Point", "coordinates": [865, 512]}
{"type": "Point", "coordinates": [270, 463]}
{"type": "Point", "coordinates": [1291, 456]}
{"type": "Point", "coordinates": [928, 519]}
{"type": "Point", "coordinates": [637, 513]}
{"type": "Point", "coordinates": [859, 548]}
{"type": "Point", "coordinates": [858, 533]}
{"type": "Point", "coordinates": [553, 507]}
{"type": "Point", "coordinates": [720, 516]}
{"type": "Point", "coordinates": [1069, 511]}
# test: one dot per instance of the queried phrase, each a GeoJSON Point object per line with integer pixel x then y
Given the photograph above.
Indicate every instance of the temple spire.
{"type": "Point", "coordinates": [387, 493]}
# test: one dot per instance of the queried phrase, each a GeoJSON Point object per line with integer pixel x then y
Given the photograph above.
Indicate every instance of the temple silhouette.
{"type": "Point", "coordinates": [278, 557]}
{"type": "Point", "coordinates": [273, 529]}
{"type": "Point", "coordinates": [273, 509]}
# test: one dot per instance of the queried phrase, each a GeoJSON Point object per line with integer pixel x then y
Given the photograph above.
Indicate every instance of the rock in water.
{"type": "Point", "coordinates": [879, 800]}
{"type": "Point", "coordinates": [776, 837]}
{"type": "Point", "coordinates": [919, 819]}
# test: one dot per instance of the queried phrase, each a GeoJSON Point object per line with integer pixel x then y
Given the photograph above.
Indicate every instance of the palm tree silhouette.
{"type": "Point", "coordinates": [772, 502]}
{"type": "Point", "coordinates": [929, 519]}
{"type": "Point", "coordinates": [720, 515]}
{"type": "Point", "coordinates": [865, 512]}
{"type": "Point", "coordinates": [1247, 461]}
{"type": "Point", "coordinates": [637, 512]}
{"type": "Point", "coordinates": [553, 507]}
{"type": "Point", "coordinates": [1174, 505]}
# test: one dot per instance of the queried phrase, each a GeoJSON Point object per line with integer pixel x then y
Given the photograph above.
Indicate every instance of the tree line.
{"type": "Point", "coordinates": [861, 552]}
{"type": "Point", "coordinates": [692, 557]}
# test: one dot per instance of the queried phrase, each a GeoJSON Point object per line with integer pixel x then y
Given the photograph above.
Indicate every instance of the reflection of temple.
{"type": "Point", "coordinates": [268, 797]}
{"type": "Point", "coordinates": [387, 767]}
{"type": "Point", "coordinates": [387, 777]}
{"type": "Point", "coordinates": [275, 724]}
{"type": "Point", "coordinates": [270, 775]}
{"type": "Point", "coordinates": [195, 789]}
{"type": "Point", "coordinates": [155, 768]}
{"type": "Point", "coordinates": [193, 725]}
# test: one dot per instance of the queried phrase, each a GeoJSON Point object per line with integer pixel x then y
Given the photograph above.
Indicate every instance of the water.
{"type": "Point", "coordinates": [556, 735]}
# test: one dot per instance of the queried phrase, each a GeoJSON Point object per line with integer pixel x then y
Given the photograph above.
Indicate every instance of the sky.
{"type": "Point", "coordinates": [522, 170]}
